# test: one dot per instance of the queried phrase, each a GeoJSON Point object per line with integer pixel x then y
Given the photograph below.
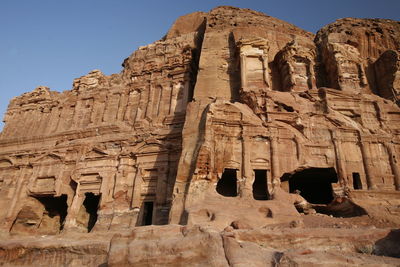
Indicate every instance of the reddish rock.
{"type": "Point", "coordinates": [234, 120]}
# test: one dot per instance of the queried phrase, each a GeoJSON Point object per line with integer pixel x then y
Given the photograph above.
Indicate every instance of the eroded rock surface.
{"type": "Point", "coordinates": [252, 141]}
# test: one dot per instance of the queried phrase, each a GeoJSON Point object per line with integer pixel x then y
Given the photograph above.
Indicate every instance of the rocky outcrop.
{"type": "Point", "coordinates": [351, 50]}
{"type": "Point", "coordinates": [247, 135]}
{"type": "Point", "coordinates": [175, 245]}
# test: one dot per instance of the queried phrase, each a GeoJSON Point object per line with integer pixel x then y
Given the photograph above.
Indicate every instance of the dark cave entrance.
{"type": "Point", "coordinates": [260, 185]}
{"type": "Point", "coordinates": [91, 204]}
{"type": "Point", "coordinates": [314, 184]}
{"type": "Point", "coordinates": [147, 218]}
{"type": "Point", "coordinates": [357, 185]}
{"type": "Point", "coordinates": [227, 185]}
{"type": "Point", "coordinates": [55, 206]}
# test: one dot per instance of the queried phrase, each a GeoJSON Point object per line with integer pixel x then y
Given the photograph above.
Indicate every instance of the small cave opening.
{"type": "Point", "coordinates": [341, 207]}
{"type": "Point", "coordinates": [314, 184]}
{"type": "Point", "coordinates": [147, 218]}
{"type": "Point", "coordinates": [41, 214]}
{"type": "Point", "coordinates": [285, 107]}
{"type": "Point", "coordinates": [227, 185]}
{"type": "Point", "coordinates": [357, 184]}
{"type": "Point", "coordinates": [260, 185]}
{"type": "Point", "coordinates": [91, 204]}
{"type": "Point", "coordinates": [55, 207]}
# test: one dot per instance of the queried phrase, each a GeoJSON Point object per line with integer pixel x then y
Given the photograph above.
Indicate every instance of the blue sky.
{"type": "Point", "coordinates": [51, 42]}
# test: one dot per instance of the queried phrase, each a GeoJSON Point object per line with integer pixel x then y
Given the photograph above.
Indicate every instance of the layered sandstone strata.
{"type": "Point", "coordinates": [234, 120]}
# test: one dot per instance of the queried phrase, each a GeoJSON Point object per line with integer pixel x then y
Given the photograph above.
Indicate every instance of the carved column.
{"type": "Point", "coordinates": [340, 161]}
{"type": "Point", "coordinates": [165, 96]}
{"type": "Point", "coordinates": [73, 210]}
{"type": "Point", "coordinates": [247, 177]}
{"type": "Point", "coordinates": [107, 186]}
{"type": "Point", "coordinates": [299, 150]}
{"type": "Point", "coordinates": [394, 165]}
{"type": "Point", "coordinates": [149, 102]}
{"type": "Point", "coordinates": [136, 189]}
{"type": "Point", "coordinates": [174, 99]}
{"type": "Point", "coordinates": [142, 105]}
{"type": "Point", "coordinates": [275, 161]}
{"type": "Point", "coordinates": [130, 178]}
{"type": "Point", "coordinates": [367, 165]}
{"type": "Point", "coordinates": [161, 214]}
{"type": "Point", "coordinates": [312, 77]}
{"type": "Point", "coordinates": [135, 199]}
{"type": "Point", "coordinates": [181, 96]}
{"type": "Point", "coordinates": [243, 70]}
{"type": "Point", "coordinates": [264, 60]}
{"type": "Point", "coordinates": [122, 106]}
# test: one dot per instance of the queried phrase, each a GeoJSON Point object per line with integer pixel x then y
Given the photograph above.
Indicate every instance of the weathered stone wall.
{"type": "Point", "coordinates": [293, 125]}
{"type": "Point", "coordinates": [117, 137]}
{"type": "Point", "coordinates": [231, 102]}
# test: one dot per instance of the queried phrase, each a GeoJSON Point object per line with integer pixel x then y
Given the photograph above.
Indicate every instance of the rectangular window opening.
{"type": "Point", "coordinates": [357, 185]}
{"type": "Point", "coordinates": [147, 213]}
{"type": "Point", "coordinates": [260, 185]}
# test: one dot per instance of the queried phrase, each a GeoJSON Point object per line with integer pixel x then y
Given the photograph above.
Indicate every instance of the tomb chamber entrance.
{"type": "Point", "coordinates": [227, 185]}
{"type": "Point", "coordinates": [55, 207]}
{"type": "Point", "coordinates": [260, 185]}
{"type": "Point", "coordinates": [147, 218]}
{"type": "Point", "coordinates": [314, 184]}
{"type": "Point", "coordinates": [91, 205]}
{"type": "Point", "coordinates": [43, 214]}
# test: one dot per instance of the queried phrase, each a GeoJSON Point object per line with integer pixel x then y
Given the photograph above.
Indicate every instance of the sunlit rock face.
{"type": "Point", "coordinates": [233, 124]}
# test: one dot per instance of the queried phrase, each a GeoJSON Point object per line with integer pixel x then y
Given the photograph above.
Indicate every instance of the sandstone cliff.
{"type": "Point", "coordinates": [259, 144]}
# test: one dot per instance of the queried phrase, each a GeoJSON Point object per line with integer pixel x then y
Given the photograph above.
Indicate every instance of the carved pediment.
{"type": "Point", "coordinates": [253, 42]}
{"type": "Point", "coordinates": [44, 186]}
{"type": "Point", "coordinates": [95, 153]}
{"type": "Point", "coordinates": [90, 182]}
{"type": "Point", "coordinates": [260, 161]}
{"type": "Point", "coordinates": [48, 158]}
{"type": "Point", "coordinates": [150, 147]}
{"type": "Point", "coordinates": [231, 164]}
